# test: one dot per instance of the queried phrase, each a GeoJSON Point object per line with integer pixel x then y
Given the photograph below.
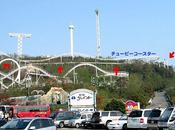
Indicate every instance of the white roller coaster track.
{"type": "Point", "coordinates": [154, 58]}
{"type": "Point", "coordinates": [18, 66]}
{"type": "Point", "coordinates": [44, 73]}
{"type": "Point", "coordinates": [24, 68]}
{"type": "Point", "coordinates": [27, 67]}
{"type": "Point", "coordinates": [2, 53]}
{"type": "Point", "coordinates": [131, 58]}
{"type": "Point", "coordinates": [54, 57]}
{"type": "Point", "coordinates": [88, 56]}
{"type": "Point", "coordinates": [88, 64]}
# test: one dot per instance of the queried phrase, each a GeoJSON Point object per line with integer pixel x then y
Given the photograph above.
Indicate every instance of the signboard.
{"type": "Point", "coordinates": [122, 74]}
{"type": "Point", "coordinates": [82, 98]}
{"type": "Point", "coordinates": [131, 105]}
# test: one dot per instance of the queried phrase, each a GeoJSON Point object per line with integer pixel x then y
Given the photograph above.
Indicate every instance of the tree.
{"type": "Point", "coordinates": [115, 105]}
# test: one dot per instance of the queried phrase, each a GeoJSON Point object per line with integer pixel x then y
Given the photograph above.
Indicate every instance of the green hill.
{"type": "Point", "coordinates": [144, 79]}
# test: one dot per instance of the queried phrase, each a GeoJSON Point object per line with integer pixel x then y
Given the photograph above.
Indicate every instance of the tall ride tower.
{"type": "Point", "coordinates": [98, 33]}
{"type": "Point", "coordinates": [71, 28]}
{"type": "Point", "coordinates": [20, 37]}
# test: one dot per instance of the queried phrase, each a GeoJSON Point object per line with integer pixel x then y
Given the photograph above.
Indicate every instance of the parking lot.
{"type": "Point", "coordinates": [76, 129]}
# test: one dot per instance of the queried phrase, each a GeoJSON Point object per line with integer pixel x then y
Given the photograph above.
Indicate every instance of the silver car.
{"type": "Point", "coordinates": [29, 124]}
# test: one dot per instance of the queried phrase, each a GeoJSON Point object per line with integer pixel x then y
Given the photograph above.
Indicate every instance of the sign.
{"type": "Point", "coordinates": [122, 74]}
{"type": "Point", "coordinates": [116, 70]}
{"type": "Point", "coordinates": [171, 54]}
{"type": "Point", "coordinates": [134, 53]}
{"type": "Point", "coordinates": [82, 98]}
{"type": "Point", "coordinates": [59, 69]}
{"type": "Point", "coordinates": [131, 105]}
{"type": "Point", "coordinates": [6, 66]}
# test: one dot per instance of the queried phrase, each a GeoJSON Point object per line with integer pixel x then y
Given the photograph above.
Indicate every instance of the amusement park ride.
{"type": "Point", "coordinates": [22, 72]}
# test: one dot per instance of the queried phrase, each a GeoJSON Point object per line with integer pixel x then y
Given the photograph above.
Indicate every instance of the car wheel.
{"type": "Point", "coordinates": [61, 124]}
{"type": "Point", "coordinates": [124, 127]}
{"type": "Point", "coordinates": [77, 125]}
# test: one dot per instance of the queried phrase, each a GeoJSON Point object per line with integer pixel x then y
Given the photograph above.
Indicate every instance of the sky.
{"type": "Point", "coordinates": [125, 25]}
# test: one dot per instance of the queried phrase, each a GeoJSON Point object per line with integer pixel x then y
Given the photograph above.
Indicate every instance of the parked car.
{"type": "Point", "coordinates": [63, 118]}
{"type": "Point", "coordinates": [4, 111]}
{"type": "Point", "coordinates": [120, 124]}
{"type": "Point", "coordinates": [102, 118]}
{"type": "Point", "coordinates": [2, 122]}
{"type": "Point", "coordinates": [154, 118]}
{"type": "Point", "coordinates": [55, 113]}
{"type": "Point", "coordinates": [77, 121]}
{"type": "Point", "coordinates": [137, 119]}
{"type": "Point", "coordinates": [167, 119]}
{"type": "Point", "coordinates": [29, 124]}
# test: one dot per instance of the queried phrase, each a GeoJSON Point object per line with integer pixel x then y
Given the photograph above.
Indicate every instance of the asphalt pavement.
{"type": "Point", "coordinates": [159, 100]}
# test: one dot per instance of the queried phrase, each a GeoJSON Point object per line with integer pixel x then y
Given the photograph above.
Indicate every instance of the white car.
{"type": "Point", "coordinates": [137, 119]}
{"type": "Point", "coordinates": [29, 124]}
{"type": "Point", "coordinates": [120, 124]}
{"type": "Point", "coordinates": [108, 116]}
{"type": "Point", "coordinates": [62, 119]}
{"type": "Point", "coordinates": [77, 121]}
{"type": "Point", "coordinates": [102, 118]}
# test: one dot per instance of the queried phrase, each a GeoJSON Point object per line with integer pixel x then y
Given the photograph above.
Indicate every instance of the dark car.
{"type": "Point", "coordinates": [2, 122]}
{"type": "Point", "coordinates": [154, 118]}
{"type": "Point", "coordinates": [93, 122]}
{"type": "Point", "coordinates": [102, 118]}
{"type": "Point", "coordinates": [54, 114]}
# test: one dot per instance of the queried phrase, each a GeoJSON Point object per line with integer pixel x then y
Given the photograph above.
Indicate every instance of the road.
{"type": "Point", "coordinates": [159, 100]}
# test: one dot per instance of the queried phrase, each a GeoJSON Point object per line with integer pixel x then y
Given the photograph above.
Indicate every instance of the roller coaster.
{"type": "Point", "coordinates": [23, 69]}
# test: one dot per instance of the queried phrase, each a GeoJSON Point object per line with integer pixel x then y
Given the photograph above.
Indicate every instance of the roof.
{"type": "Point", "coordinates": [33, 118]}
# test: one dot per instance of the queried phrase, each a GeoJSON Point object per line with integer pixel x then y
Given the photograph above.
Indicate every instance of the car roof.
{"type": "Point", "coordinates": [33, 118]}
{"type": "Point", "coordinates": [143, 110]}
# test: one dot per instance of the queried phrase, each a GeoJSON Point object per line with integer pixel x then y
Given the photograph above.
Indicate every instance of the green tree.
{"type": "Point", "coordinates": [115, 104]}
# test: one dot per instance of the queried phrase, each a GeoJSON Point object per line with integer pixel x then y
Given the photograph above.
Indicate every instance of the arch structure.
{"type": "Point", "coordinates": [91, 65]}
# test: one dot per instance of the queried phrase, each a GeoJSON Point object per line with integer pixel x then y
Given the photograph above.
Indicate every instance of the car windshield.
{"type": "Point", "coordinates": [136, 113]}
{"type": "Point", "coordinates": [166, 114]}
{"type": "Point", "coordinates": [66, 115]}
{"type": "Point", "coordinates": [77, 116]}
{"type": "Point", "coordinates": [17, 124]}
{"type": "Point", "coordinates": [124, 117]}
{"type": "Point", "coordinates": [60, 115]}
{"type": "Point", "coordinates": [155, 113]}
{"type": "Point", "coordinates": [147, 113]}
{"type": "Point", "coordinates": [2, 108]}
